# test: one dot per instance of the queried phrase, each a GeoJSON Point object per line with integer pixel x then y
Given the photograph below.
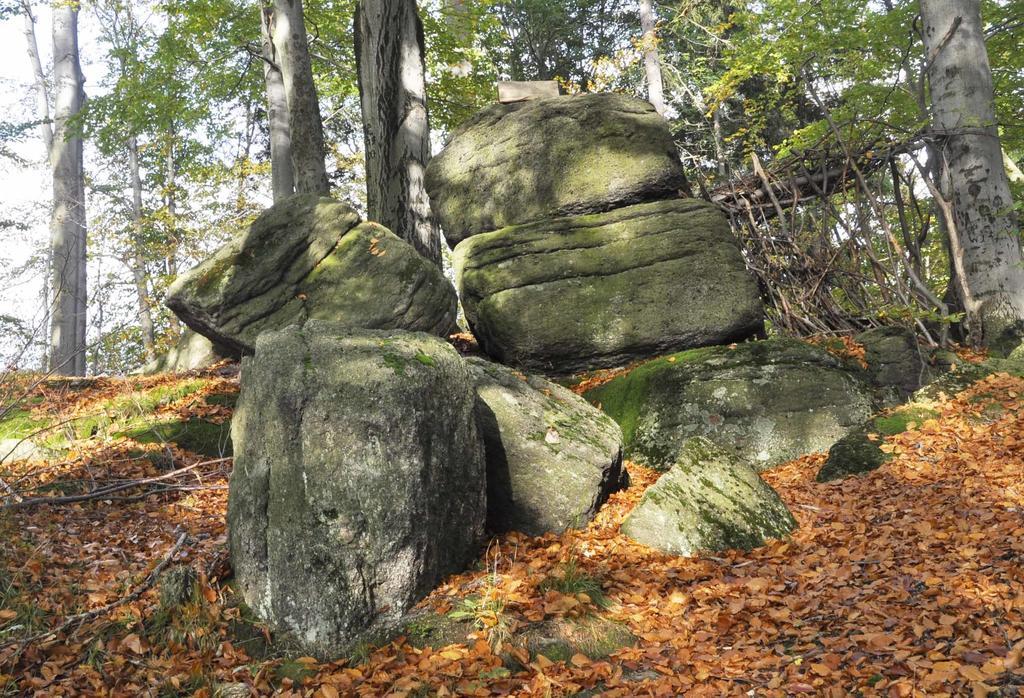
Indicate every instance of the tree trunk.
{"type": "Point", "coordinates": [38, 79]}
{"type": "Point", "coordinates": [281, 174]}
{"type": "Point", "coordinates": [305, 126]}
{"type": "Point", "coordinates": [138, 262]}
{"type": "Point", "coordinates": [985, 238]}
{"type": "Point", "coordinates": [67, 224]}
{"type": "Point", "coordinates": [392, 89]}
{"type": "Point", "coordinates": [174, 240]}
{"type": "Point", "coordinates": [652, 66]}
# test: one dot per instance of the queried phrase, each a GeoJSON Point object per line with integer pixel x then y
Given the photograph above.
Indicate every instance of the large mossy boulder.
{"type": "Point", "coordinates": [514, 163]}
{"type": "Point", "coordinates": [552, 458]}
{"type": "Point", "coordinates": [896, 363]}
{"type": "Point", "coordinates": [708, 501]}
{"type": "Point", "coordinates": [767, 402]}
{"type": "Point", "coordinates": [358, 482]}
{"type": "Point", "coordinates": [310, 258]}
{"type": "Point", "coordinates": [603, 289]}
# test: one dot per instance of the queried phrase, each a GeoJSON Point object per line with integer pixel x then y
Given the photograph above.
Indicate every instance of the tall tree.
{"type": "Point", "coordinates": [390, 64]}
{"type": "Point", "coordinates": [67, 223]}
{"type": "Point", "coordinates": [984, 233]}
{"type": "Point", "coordinates": [652, 65]}
{"type": "Point", "coordinates": [137, 262]}
{"type": "Point", "coordinates": [281, 172]}
{"type": "Point", "coordinates": [306, 127]}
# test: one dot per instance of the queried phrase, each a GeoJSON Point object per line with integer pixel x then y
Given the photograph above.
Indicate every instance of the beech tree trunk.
{"type": "Point", "coordinates": [984, 234]}
{"type": "Point", "coordinates": [396, 128]}
{"type": "Point", "coordinates": [305, 125]}
{"type": "Point", "coordinates": [652, 66]}
{"type": "Point", "coordinates": [67, 223]}
{"type": "Point", "coordinates": [174, 240]}
{"type": "Point", "coordinates": [138, 261]}
{"type": "Point", "coordinates": [281, 174]}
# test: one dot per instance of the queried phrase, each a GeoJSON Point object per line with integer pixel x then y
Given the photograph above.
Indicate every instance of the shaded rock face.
{"type": "Point", "coordinates": [895, 361]}
{"type": "Point", "coordinates": [552, 458]}
{"type": "Point", "coordinates": [514, 163]}
{"type": "Point", "coordinates": [766, 402]}
{"type": "Point", "coordinates": [603, 289]}
{"type": "Point", "coordinates": [708, 501]}
{"type": "Point", "coordinates": [358, 481]}
{"type": "Point", "coordinates": [192, 351]}
{"type": "Point", "coordinates": [310, 258]}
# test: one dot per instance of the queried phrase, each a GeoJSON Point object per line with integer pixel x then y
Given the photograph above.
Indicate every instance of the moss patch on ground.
{"type": "Point", "coordinates": [195, 435]}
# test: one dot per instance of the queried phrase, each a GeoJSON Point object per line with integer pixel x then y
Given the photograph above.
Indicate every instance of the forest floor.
{"type": "Point", "coordinates": [907, 581]}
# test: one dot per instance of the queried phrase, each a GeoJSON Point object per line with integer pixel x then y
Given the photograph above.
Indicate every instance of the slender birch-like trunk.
{"type": "Point", "coordinates": [138, 260]}
{"type": "Point", "coordinates": [652, 65]}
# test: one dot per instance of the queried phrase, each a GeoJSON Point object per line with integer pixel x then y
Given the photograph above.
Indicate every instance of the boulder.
{"type": "Point", "coordinates": [190, 352]}
{"type": "Point", "coordinates": [358, 482]}
{"type": "Point", "coordinates": [708, 501]}
{"type": "Point", "coordinates": [767, 402]}
{"type": "Point", "coordinates": [514, 163]}
{"type": "Point", "coordinates": [597, 290]}
{"type": "Point", "coordinates": [12, 450]}
{"type": "Point", "coordinates": [552, 458]}
{"type": "Point", "coordinates": [310, 258]}
{"type": "Point", "coordinates": [896, 362]}
{"type": "Point", "coordinates": [860, 451]}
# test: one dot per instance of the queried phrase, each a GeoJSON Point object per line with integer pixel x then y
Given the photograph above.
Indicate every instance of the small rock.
{"type": "Point", "coordinates": [708, 501]}
{"type": "Point", "coordinates": [552, 458]}
{"type": "Point", "coordinates": [895, 359]}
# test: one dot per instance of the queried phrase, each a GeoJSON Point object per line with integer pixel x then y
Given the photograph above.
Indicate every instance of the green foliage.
{"type": "Point", "coordinates": [571, 579]}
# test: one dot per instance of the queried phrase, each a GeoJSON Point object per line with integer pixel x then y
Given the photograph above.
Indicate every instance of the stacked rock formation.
{"type": "Point", "coordinates": [573, 249]}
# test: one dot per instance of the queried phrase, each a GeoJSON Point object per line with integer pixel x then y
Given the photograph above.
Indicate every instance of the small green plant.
{"type": "Point", "coordinates": [293, 670]}
{"type": "Point", "coordinates": [359, 653]}
{"type": "Point", "coordinates": [486, 610]}
{"type": "Point", "coordinates": [570, 579]}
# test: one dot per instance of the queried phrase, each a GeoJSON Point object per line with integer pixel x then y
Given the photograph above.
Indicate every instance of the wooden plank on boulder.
{"type": "Point", "coordinates": [521, 91]}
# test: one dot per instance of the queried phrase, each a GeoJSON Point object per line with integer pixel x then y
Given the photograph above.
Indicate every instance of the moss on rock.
{"type": "Point", "coordinates": [513, 163]}
{"type": "Point", "coordinates": [309, 257]}
{"type": "Point", "coordinates": [709, 500]}
{"type": "Point", "coordinates": [860, 451]}
{"type": "Point", "coordinates": [579, 292]}
{"type": "Point", "coordinates": [767, 402]}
